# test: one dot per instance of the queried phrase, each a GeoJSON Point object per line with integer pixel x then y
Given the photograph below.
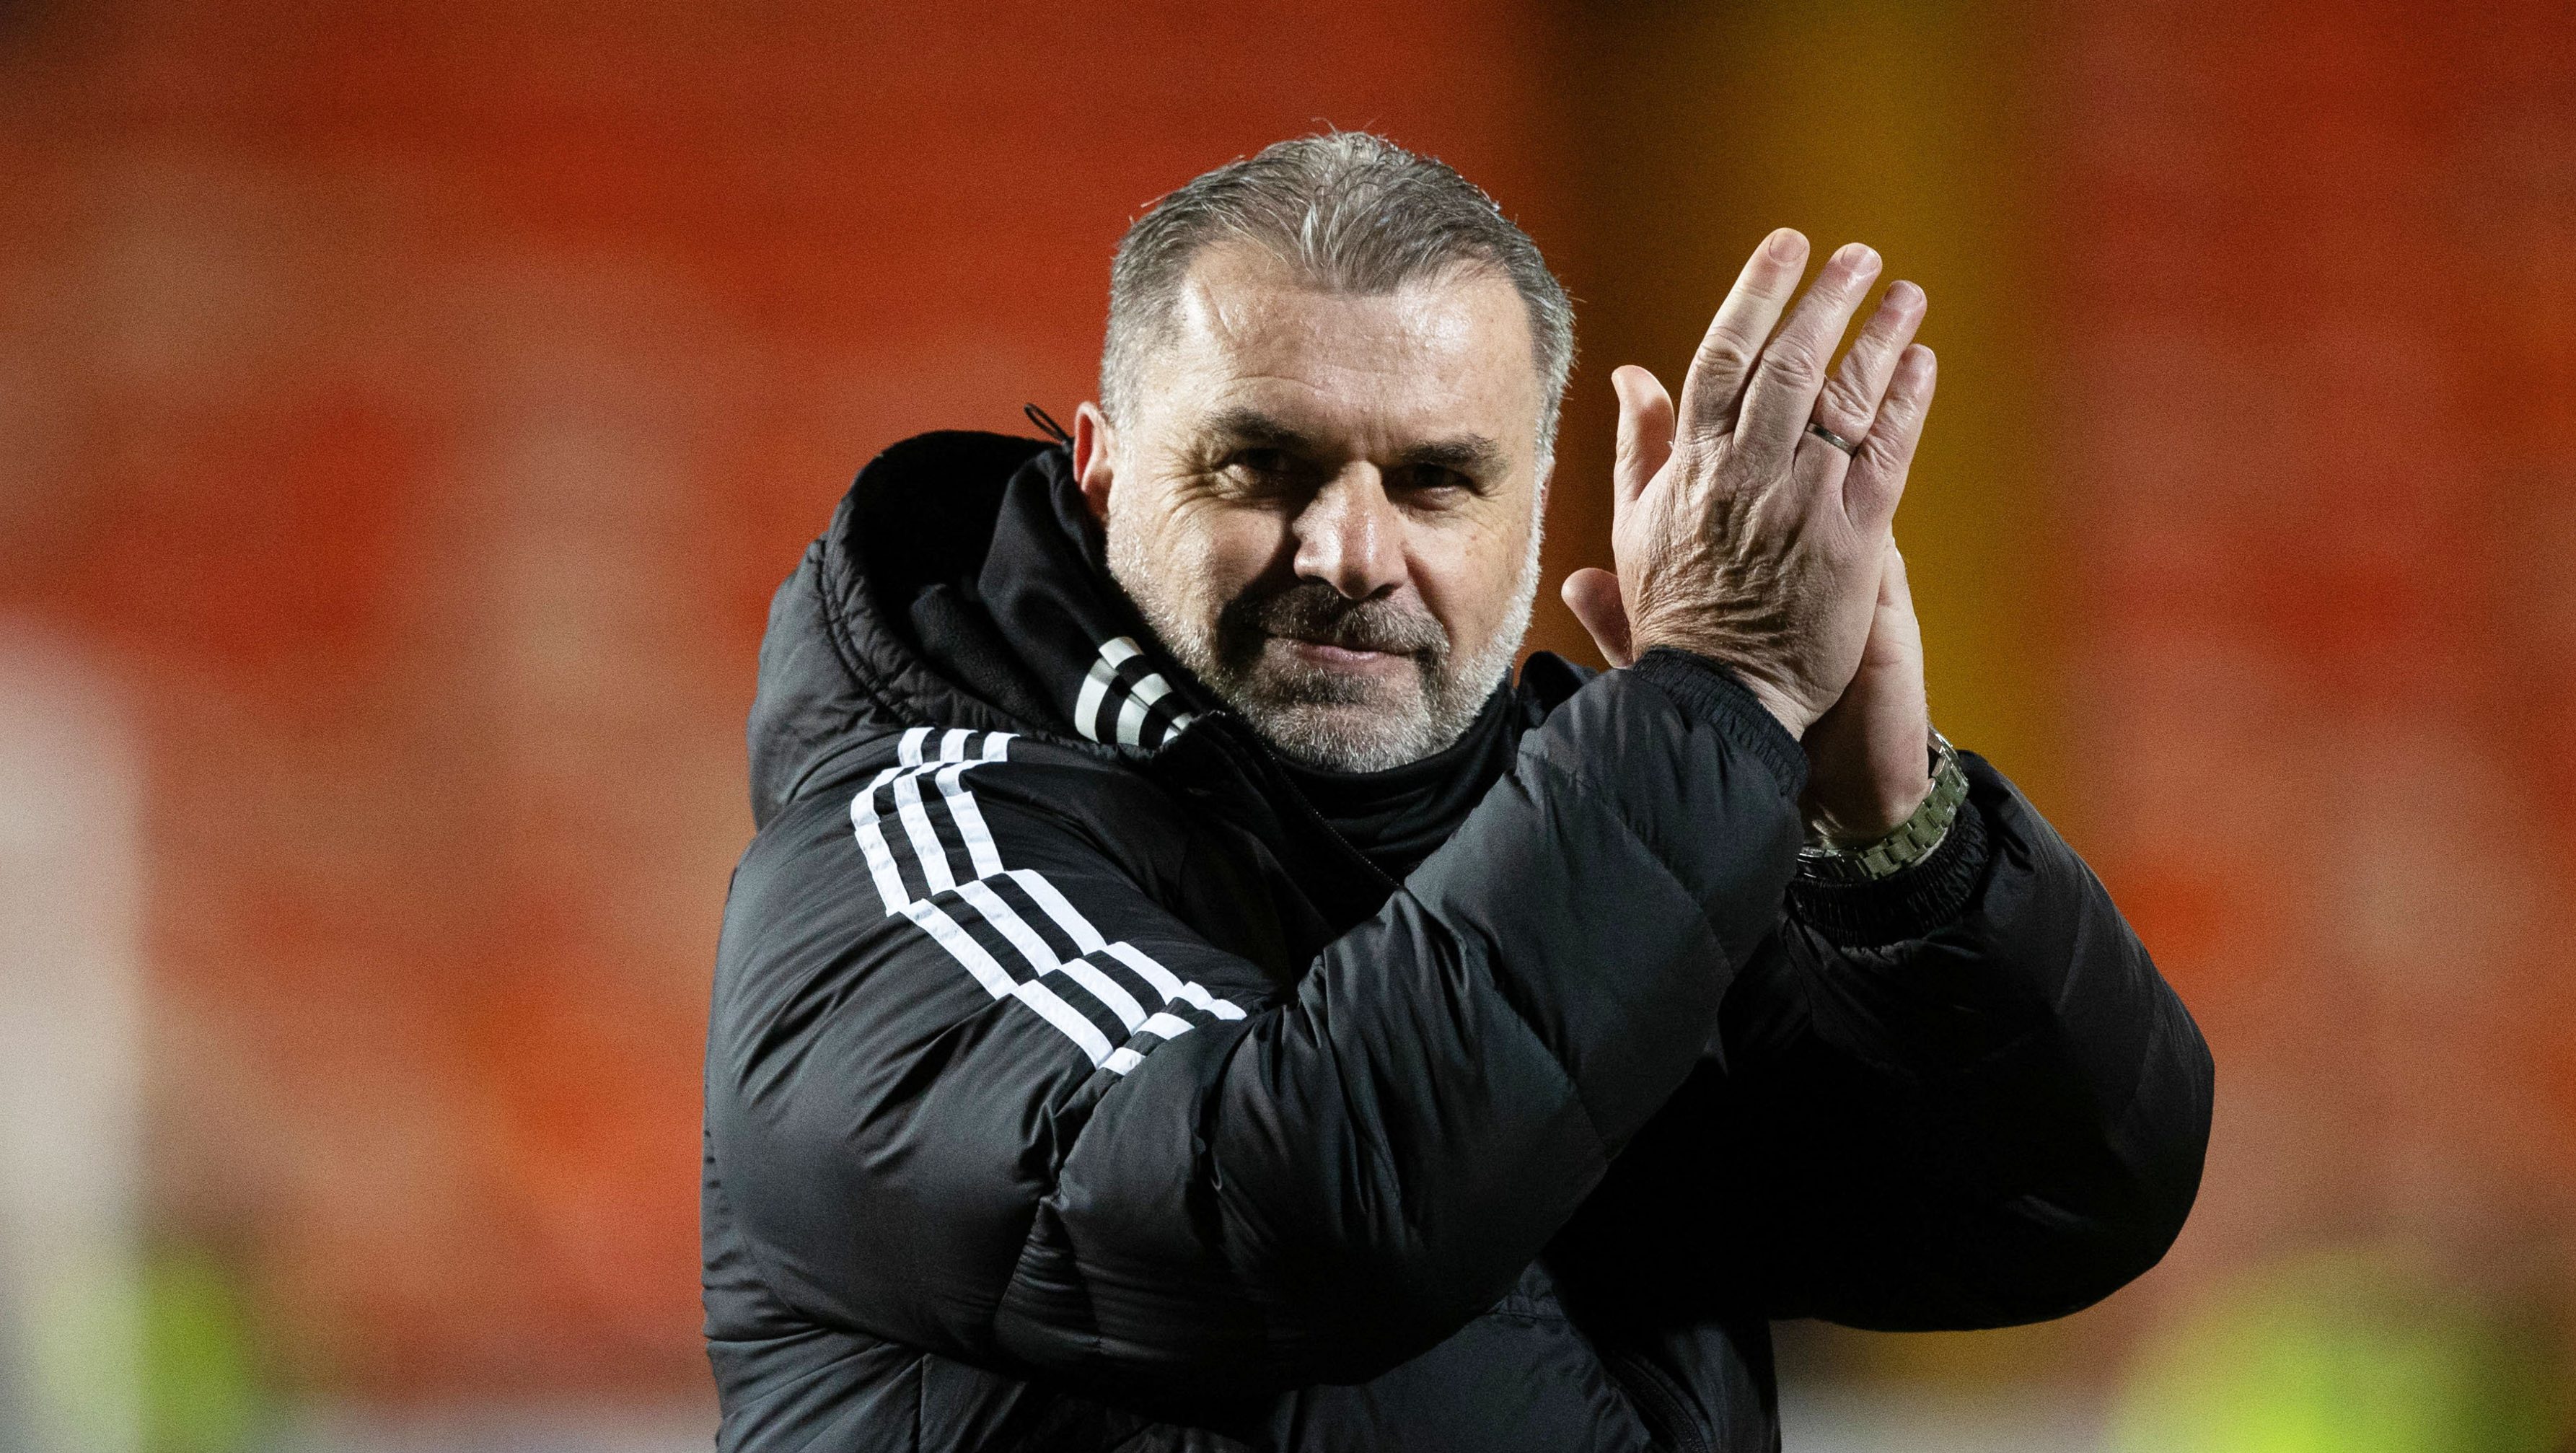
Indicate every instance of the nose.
{"type": "Point", "coordinates": [1349, 537]}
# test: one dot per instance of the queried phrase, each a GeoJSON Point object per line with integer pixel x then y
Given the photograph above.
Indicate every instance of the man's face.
{"type": "Point", "coordinates": [1327, 505]}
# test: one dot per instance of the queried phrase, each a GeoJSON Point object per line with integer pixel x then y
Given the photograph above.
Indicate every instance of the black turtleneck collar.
{"type": "Point", "coordinates": [1397, 816]}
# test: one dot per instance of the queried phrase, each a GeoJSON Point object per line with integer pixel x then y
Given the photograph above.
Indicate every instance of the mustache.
{"type": "Point", "coordinates": [1311, 610]}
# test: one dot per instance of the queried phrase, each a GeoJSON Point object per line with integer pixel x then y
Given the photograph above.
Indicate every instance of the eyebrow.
{"type": "Point", "coordinates": [1245, 425]}
{"type": "Point", "coordinates": [1470, 454]}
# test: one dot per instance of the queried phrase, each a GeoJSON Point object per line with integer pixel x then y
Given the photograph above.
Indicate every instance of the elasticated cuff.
{"type": "Point", "coordinates": [1909, 903]}
{"type": "Point", "coordinates": [1710, 691]}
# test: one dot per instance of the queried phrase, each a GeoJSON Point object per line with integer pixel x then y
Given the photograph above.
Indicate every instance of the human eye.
{"type": "Point", "coordinates": [1260, 472]}
{"type": "Point", "coordinates": [1434, 486]}
{"type": "Point", "coordinates": [1261, 463]}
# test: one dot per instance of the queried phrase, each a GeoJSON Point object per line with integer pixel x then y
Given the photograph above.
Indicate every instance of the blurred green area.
{"type": "Point", "coordinates": [2348, 1352]}
{"type": "Point", "coordinates": [157, 1353]}
{"type": "Point", "coordinates": [201, 1388]}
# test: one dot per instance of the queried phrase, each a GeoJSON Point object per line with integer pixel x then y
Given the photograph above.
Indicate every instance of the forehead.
{"type": "Point", "coordinates": [1434, 356]}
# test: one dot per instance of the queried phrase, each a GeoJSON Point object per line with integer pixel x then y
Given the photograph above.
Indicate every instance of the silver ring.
{"type": "Point", "coordinates": [1830, 437]}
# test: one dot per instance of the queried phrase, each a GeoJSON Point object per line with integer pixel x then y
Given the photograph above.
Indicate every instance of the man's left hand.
{"type": "Point", "coordinates": [1869, 755]}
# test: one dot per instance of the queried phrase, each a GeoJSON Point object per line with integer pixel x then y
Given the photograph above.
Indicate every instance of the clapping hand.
{"type": "Point", "coordinates": [1752, 525]}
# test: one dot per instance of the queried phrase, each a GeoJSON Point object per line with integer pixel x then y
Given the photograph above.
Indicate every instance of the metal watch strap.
{"type": "Point", "coordinates": [1911, 842]}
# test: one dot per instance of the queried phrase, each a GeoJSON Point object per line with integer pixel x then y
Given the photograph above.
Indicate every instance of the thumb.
{"type": "Point", "coordinates": [1895, 636]}
{"type": "Point", "coordinates": [1593, 596]}
{"type": "Point", "coordinates": [1894, 592]}
{"type": "Point", "coordinates": [1645, 430]}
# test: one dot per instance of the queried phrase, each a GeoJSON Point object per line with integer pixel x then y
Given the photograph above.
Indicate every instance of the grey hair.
{"type": "Point", "coordinates": [1353, 212]}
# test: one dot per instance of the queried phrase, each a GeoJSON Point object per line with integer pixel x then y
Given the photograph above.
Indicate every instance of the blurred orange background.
{"type": "Point", "coordinates": [407, 408]}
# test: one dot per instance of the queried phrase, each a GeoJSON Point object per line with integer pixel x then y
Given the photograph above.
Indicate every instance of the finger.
{"type": "Point", "coordinates": [1645, 430]}
{"type": "Point", "coordinates": [1893, 591]}
{"type": "Point", "coordinates": [1593, 596]}
{"type": "Point", "coordinates": [1850, 399]}
{"type": "Point", "coordinates": [1895, 636]}
{"type": "Point", "coordinates": [1895, 602]}
{"type": "Point", "coordinates": [1736, 335]}
{"type": "Point", "coordinates": [1780, 397]}
{"type": "Point", "coordinates": [1876, 480]}
{"type": "Point", "coordinates": [1849, 403]}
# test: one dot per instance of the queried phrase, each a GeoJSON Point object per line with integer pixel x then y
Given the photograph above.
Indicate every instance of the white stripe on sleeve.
{"type": "Point", "coordinates": [1013, 927]}
{"type": "Point", "coordinates": [1065, 1017]}
{"type": "Point", "coordinates": [1107, 991]}
{"type": "Point", "coordinates": [872, 843]}
{"type": "Point", "coordinates": [986, 859]}
{"type": "Point", "coordinates": [926, 846]}
{"type": "Point", "coordinates": [964, 949]}
{"type": "Point", "coordinates": [1171, 986]}
{"type": "Point", "coordinates": [958, 753]}
{"type": "Point", "coordinates": [1086, 939]}
{"type": "Point", "coordinates": [909, 752]}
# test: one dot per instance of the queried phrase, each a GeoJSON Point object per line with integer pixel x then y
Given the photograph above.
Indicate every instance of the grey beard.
{"type": "Point", "coordinates": [1306, 718]}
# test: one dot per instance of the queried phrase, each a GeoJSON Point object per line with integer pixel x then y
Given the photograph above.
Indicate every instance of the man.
{"type": "Point", "coordinates": [1180, 996]}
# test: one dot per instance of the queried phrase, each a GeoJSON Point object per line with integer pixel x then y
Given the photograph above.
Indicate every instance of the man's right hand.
{"type": "Point", "coordinates": [1739, 534]}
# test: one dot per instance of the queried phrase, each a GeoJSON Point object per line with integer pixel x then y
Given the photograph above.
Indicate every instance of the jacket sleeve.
{"type": "Point", "coordinates": [1962, 1098]}
{"type": "Point", "coordinates": [973, 1088]}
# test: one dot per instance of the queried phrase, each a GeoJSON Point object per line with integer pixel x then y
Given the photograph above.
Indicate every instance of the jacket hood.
{"type": "Point", "coordinates": [962, 583]}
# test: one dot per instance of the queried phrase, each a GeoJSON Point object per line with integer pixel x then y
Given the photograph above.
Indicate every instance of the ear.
{"type": "Point", "coordinates": [1092, 448]}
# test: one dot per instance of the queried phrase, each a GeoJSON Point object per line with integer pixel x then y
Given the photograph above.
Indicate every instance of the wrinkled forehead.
{"type": "Point", "coordinates": [1436, 357]}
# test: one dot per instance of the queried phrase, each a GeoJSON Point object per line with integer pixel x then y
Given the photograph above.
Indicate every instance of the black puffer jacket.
{"type": "Point", "coordinates": [1074, 1083]}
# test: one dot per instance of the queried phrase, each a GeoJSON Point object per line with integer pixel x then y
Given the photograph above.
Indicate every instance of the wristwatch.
{"type": "Point", "coordinates": [1911, 842]}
